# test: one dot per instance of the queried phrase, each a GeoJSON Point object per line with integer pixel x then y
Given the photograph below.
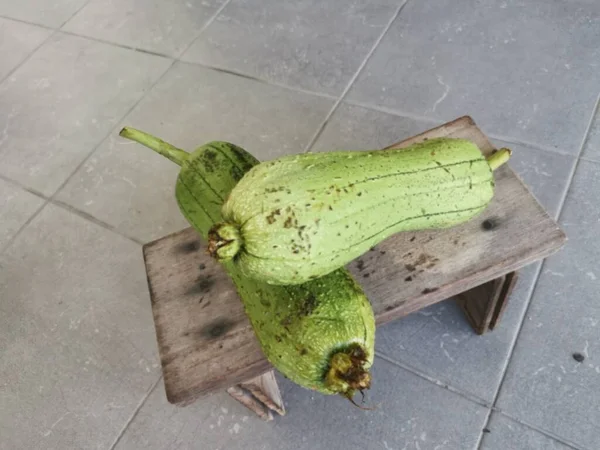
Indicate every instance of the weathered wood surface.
{"type": "Point", "coordinates": [250, 402]}
{"type": "Point", "coordinates": [484, 305]}
{"type": "Point", "coordinates": [266, 390]}
{"type": "Point", "coordinates": [206, 342]}
{"type": "Point", "coordinates": [260, 394]}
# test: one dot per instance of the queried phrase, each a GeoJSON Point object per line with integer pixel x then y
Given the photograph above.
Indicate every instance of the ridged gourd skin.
{"type": "Point", "coordinates": [308, 332]}
{"type": "Point", "coordinates": [300, 217]}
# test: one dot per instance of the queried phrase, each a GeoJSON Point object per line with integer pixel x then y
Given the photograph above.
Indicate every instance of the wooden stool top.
{"type": "Point", "coordinates": [206, 342]}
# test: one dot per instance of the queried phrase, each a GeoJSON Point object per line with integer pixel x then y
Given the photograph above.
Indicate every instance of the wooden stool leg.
{"type": "Point", "coordinates": [260, 394]}
{"type": "Point", "coordinates": [483, 305]}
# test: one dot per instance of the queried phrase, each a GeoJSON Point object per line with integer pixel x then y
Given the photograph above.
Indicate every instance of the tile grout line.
{"type": "Point", "coordinates": [47, 27]}
{"type": "Point", "coordinates": [112, 130]}
{"type": "Point", "coordinates": [74, 14]}
{"type": "Point", "coordinates": [88, 217]}
{"type": "Point", "coordinates": [203, 28]}
{"type": "Point", "coordinates": [473, 399]}
{"type": "Point", "coordinates": [66, 207]}
{"type": "Point", "coordinates": [28, 57]}
{"type": "Point", "coordinates": [116, 44]}
{"type": "Point", "coordinates": [22, 227]}
{"type": "Point", "coordinates": [174, 61]}
{"type": "Point", "coordinates": [30, 219]}
{"type": "Point", "coordinates": [362, 65]}
{"type": "Point", "coordinates": [373, 107]}
{"type": "Point", "coordinates": [130, 110]}
{"type": "Point", "coordinates": [109, 134]}
{"type": "Point", "coordinates": [541, 266]}
{"type": "Point", "coordinates": [199, 64]}
{"type": "Point", "coordinates": [135, 413]}
{"type": "Point", "coordinates": [540, 430]}
{"type": "Point", "coordinates": [511, 348]}
{"type": "Point", "coordinates": [51, 199]}
{"type": "Point", "coordinates": [393, 112]}
{"type": "Point", "coordinates": [22, 186]}
{"type": "Point", "coordinates": [441, 384]}
{"type": "Point", "coordinates": [579, 153]}
{"type": "Point", "coordinates": [535, 146]}
{"type": "Point", "coordinates": [406, 114]}
{"type": "Point", "coordinates": [259, 80]}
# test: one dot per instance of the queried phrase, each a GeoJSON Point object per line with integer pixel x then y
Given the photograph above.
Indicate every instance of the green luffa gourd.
{"type": "Point", "coordinates": [301, 217]}
{"type": "Point", "coordinates": [319, 334]}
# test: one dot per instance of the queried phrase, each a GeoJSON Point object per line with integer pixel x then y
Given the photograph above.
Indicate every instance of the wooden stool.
{"type": "Point", "coordinates": [206, 342]}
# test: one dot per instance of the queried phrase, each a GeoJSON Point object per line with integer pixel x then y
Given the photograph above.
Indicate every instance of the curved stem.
{"type": "Point", "coordinates": [498, 158]}
{"type": "Point", "coordinates": [175, 154]}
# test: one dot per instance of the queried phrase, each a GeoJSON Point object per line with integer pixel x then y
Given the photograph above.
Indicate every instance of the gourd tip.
{"type": "Point", "coordinates": [224, 241]}
{"type": "Point", "coordinates": [347, 374]}
{"type": "Point", "coordinates": [498, 158]}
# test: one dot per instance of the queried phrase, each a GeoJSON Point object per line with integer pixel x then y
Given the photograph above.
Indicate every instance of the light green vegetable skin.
{"type": "Point", "coordinates": [300, 217]}
{"type": "Point", "coordinates": [319, 334]}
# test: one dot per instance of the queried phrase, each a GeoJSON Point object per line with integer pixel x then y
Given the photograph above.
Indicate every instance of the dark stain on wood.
{"type": "Point", "coordinates": [398, 305]}
{"type": "Point", "coordinates": [188, 247]}
{"type": "Point", "coordinates": [429, 290]}
{"type": "Point", "coordinates": [422, 259]}
{"type": "Point", "coordinates": [203, 285]}
{"type": "Point", "coordinates": [153, 298]}
{"type": "Point", "coordinates": [217, 328]}
{"type": "Point", "coordinates": [490, 224]}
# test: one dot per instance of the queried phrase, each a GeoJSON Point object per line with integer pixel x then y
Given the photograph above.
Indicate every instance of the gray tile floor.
{"type": "Point", "coordinates": [79, 367]}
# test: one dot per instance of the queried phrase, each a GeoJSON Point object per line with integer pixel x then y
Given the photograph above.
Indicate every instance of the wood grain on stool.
{"type": "Point", "coordinates": [484, 304]}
